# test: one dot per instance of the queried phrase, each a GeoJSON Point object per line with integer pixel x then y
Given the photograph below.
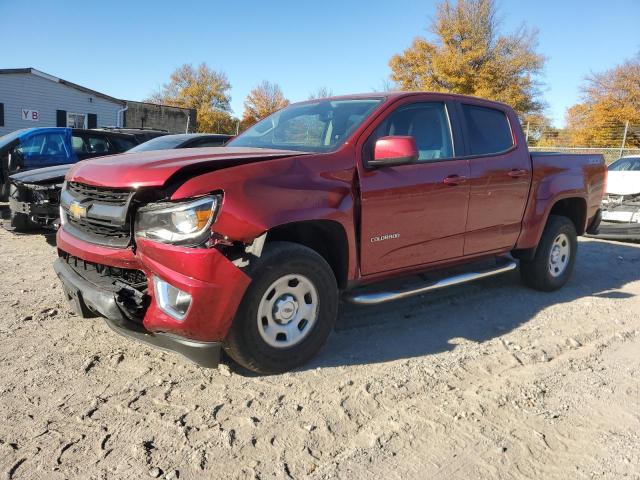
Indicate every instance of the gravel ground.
{"type": "Point", "coordinates": [488, 380]}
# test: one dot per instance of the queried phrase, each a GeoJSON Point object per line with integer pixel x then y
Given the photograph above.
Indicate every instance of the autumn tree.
{"type": "Point", "coordinates": [261, 102]}
{"type": "Point", "coordinates": [468, 54]}
{"type": "Point", "coordinates": [609, 100]}
{"type": "Point", "coordinates": [204, 89]}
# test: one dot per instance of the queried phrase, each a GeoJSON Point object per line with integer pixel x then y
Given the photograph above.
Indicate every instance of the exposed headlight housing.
{"type": "Point", "coordinates": [183, 223]}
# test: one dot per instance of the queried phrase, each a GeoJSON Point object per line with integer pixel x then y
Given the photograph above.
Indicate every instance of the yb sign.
{"type": "Point", "coordinates": [30, 115]}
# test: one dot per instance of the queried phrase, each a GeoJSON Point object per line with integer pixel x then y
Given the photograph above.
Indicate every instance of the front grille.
{"type": "Point", "coordinates": [112, 228]}
{"type": "Point", "coordinates": [129, 286]}
{"type": "Point", "coordinates": [100, 229]}
{"type": "Point", "coordinates": [98, 194]}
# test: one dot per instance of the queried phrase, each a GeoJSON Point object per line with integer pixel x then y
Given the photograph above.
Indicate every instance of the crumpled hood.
{"type": "Point", "coordinates": [154, 169]}
{"type": "Point", "coordinates": [45, 175]}
{"type": "Point", "coordinates": [623, 182]}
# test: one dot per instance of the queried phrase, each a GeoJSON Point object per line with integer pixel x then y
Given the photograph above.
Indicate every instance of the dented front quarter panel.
{"type": "Point", "coordinates": [263, 195]}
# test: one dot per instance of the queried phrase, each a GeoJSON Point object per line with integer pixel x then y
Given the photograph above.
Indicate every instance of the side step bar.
{"type": "Point", "coordinates": [375, 298]}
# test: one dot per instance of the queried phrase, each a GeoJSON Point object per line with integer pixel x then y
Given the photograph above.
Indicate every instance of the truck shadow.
{"type": "Point", "coordinates": [478, 312]}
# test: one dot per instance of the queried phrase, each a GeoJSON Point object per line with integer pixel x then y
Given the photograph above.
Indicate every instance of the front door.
{"type": "Point", "coordinates": [414, 214]}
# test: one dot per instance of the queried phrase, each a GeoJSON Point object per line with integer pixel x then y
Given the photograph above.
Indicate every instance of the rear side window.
{"type": "Point", "coordinates": [123, 144]}
{"type": "Point", "coordinates": [488, 130]}
{"type": "Point", "coordinates": [96, 144]}
{"type": "Point", "coordinates": [90, 144]}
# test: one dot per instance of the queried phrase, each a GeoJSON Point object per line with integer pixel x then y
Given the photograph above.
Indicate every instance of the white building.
{"type": "Point", "coordinates": [30, 98]}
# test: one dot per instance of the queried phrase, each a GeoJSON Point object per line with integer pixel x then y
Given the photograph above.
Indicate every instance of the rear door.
{"type": "Point", "coordinates": [500, 177]}
{"type": "Point", "coordinates": [409, 215]}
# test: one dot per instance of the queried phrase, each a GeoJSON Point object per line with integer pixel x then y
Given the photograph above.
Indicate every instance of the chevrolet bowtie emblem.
{"type": "Point", "coordinates": [77, 211]}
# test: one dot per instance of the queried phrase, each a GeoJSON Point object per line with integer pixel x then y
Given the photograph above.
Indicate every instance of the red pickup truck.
{"type": "Point", "coordinates": [250, 247]}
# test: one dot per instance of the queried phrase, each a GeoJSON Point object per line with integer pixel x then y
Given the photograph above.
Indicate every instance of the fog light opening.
{"type": "Point", "coordinates": [171, 300]}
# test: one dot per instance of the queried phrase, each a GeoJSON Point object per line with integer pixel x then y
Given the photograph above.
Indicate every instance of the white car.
{"type": "Point", "coordinates": [621, 203]}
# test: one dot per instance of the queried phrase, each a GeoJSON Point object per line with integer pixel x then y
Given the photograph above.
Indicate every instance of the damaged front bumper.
{"type": "Point", "coordinates": [118, 284]}
{"type": "Point", "coordinates": [618, 231]}
{"type": "Point", "coordinates": [40, 203]}
{"type": "Point", "coordinates": [620, 218]}
{"type": "Point", "coordinates": [89, 300]}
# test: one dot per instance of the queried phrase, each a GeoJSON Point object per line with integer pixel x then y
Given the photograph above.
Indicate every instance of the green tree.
{"type": "Point", "coordinates": [204, 89]}
{"type": "Point", "coordinates": [469, 55]}
{"type": "Point", "coordinates": [262, 101]}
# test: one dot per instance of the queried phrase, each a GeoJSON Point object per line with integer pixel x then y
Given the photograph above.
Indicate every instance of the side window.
{"type": "Point", "coordinates": [42, 148]}
{"type": "Point", "coordinates": [488, 130]}
{"type": "Point", "coordinates": [122, 144]}
{"type": "Point", "coordinates": [77, 144]}
{"type": "Point", "coordinates": [96, 144]}
{"type": "Point", "coordinates": [427, 123]}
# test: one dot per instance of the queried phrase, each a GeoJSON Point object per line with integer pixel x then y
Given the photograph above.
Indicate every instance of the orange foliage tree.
{"type": "Point", "coordinates": [469, 55]}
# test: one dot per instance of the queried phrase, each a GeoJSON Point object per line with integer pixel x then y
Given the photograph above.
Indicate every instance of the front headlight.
{"type": "Point", "coordinates": [635, 218]}
{"type": "Point", "coordinates": [184, 223]}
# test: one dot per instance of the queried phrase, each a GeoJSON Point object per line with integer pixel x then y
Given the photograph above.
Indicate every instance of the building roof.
{"type": "Point", "coordinates": [33, 71]}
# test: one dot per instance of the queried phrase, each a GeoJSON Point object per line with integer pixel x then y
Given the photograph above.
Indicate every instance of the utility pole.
{"type": "Point", "coordinates": [527, 134]}
{"type": "Point", "coordinates": [624, 137]}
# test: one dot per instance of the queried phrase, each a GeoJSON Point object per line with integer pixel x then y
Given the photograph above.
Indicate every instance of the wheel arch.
{"type": "Point", "coordinates": [328, 238]}
{"type": "Point", "coordinates": [573, 207]}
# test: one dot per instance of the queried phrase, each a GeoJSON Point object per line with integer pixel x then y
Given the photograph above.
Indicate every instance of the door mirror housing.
{"type": "Point", "coordinates": [395, 150]}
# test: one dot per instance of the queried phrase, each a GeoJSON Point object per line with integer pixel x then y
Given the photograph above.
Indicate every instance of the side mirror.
{"type": "Point", "coordinates": [396, 150]}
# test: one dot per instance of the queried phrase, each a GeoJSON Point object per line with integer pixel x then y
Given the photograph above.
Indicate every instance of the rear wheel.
{"type": "Point", "coordinates": [287, 312]}
{"type": "Point", "coordinates": [555, 256]}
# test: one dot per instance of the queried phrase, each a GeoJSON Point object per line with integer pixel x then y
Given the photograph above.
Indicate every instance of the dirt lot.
{"type": "Point", "coordinates": [489, 380]}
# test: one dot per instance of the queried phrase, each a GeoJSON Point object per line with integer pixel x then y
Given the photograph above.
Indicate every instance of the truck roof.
{"type": "Point", "coordinates": [400, 94]}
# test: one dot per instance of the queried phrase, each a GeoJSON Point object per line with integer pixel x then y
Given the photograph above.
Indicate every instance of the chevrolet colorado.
{"type": "Point", "coordinates": [248, 248]}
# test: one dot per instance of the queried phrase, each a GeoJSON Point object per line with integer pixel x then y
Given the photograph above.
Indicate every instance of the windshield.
{"type": "Point", "coordinates": [10, 137]}
{"type": "Point", "coordinates": [320, 126]}
{"type": "Point", "coordinates": [167, 142]}
{"type": "Point", "coordinates": [625, 165]}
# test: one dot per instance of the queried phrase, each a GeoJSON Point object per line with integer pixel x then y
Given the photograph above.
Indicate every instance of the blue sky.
{"type": "Point", "coordinates": [128, 49]}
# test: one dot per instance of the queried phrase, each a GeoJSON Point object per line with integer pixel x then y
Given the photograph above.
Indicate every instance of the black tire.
{"type": "Point", "coordinates": [536, 273]}
{"type": "Point", "coordinates": [19, 221]}
{"type": "Point", "coordinates": [245, 343]}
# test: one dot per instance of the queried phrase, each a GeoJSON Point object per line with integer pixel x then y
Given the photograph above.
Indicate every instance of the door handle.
{"type": "Point", "coordinates": [453, 180]}
{"type": "Point", "coordinates": [515, 173]}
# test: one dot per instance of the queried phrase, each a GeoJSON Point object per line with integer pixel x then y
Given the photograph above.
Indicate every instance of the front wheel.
{"type": "Point", "coordinates": [287, 312]}
{"type": "Point", "coordinates": [555, 256]}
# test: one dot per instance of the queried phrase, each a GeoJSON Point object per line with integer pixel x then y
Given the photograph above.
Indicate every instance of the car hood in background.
{"type": "Point", "coordinates": [623, 182]}
{"type": "Point", "coordinates": [154, 169]}
{"type": "Point", "coordinates": [42, 175]}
